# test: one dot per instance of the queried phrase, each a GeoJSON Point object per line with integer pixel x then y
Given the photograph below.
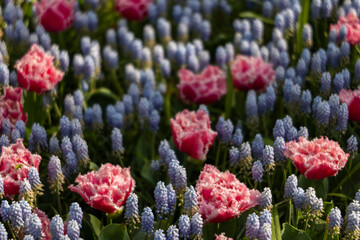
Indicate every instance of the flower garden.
{"type": "Point", "coordinates": [179, 119]}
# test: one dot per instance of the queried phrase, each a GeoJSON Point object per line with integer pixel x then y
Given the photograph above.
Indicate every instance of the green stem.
{"type": "Point", "coordinates": [116, 82]}
{"type": "Point", "coordinates": [316, 24]}
{"type": "Point", "coordinates": [289, 220]}
{"type": "Point", "coordinates": [92, 84]}
{"type": "Point", "coordinates": [306, 224]}
{"type": "Point", "coordinates": [268, 178]}
{"type": "Point", "coordinates": [35, 198]}
{"type": "Point", "coordinates": [11, 230]}
{"type": "Point", "coordinates": [49, 116]}
{"type": "Point", "coordinates": [34, 96]}
{"type": "Point", "coordinates": [230, 92]}
{"type": "Point", "coordinates": [326, 231]}
{"type": "Point", "coordinates": [57, 110]}
{"type": "Point", "coordinates": [168, 104]}
{"type": "Point", "coordinates": [348, 176]}
{"type": "Point", "coordinates": [121, 161]}
{"type": "Point", "coordinates": [280, 203]}
{"type": "Point", "coordinates": [297, 217]}
{"type": "Point", "coordinates": [153, 145]}
{"type": "Point", "coordinates": [108, 219]}
{"type": "Point", "coordinates": [217, 154]}
{"type": "Point", "coordinates": [61, 40]}
{"type": "Point", "coordinates": [58, 199]}
{"type": "Point", "coordinates": [224, 160]}
{"type": "Point", "coordinates": [159, 225]}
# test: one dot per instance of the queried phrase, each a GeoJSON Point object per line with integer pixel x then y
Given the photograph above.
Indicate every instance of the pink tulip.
{"type": "Point", "coordinates": [352, 100]}
{"type": "Point", "coordinates": [36, 71]}
{"type": "Point", "coordinates": [222, 237]}
{"type": "Point", "coordinates": [316, 159]}
{"type": "Point", "coordinates": [192, 133]}
{"type": "Point", "coordinates": [133, 9]}
{"type": "Point", "coordinates": [221, 196]}
{"type": "Point", "coordinates": [205, 88]}
{"type": "Point", "coordinates": [55, 15]}
{"type": "Point", "coordinates": [11, 106]}
{"type": "Point", "coordinates": [251, 73]}
{"type": "Point", "coordinates": [106, 189]}
{"type": "Point", "coordinates": [15, 162]}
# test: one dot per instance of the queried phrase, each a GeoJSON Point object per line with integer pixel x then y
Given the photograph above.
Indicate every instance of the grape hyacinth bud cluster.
{"type": "Point", "coordinates": [308, 203]}
{"type": "Point", "coordinates": [259, 227]}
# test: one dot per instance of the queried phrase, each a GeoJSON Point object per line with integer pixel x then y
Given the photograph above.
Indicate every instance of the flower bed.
{"type": "Point", "coordinates": [174, 119]}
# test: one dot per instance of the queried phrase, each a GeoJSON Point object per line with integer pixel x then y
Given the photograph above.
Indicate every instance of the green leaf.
{"type": "Point", "coordinates": [241, 225]}
{"type": "Point", "coordinates": [54, 209]}
{"type": "Point", "coordinates": [103, 96]}
{"type": "Point", "coordinates": [327, 208]}
{"type": "Point", "coordinates": [141, 150]}
{"type": "Point", "coordinates": [140, 235]}
{"type": "Point", "coordinates": [93, 166]}
{"type": "Point", "coordinates": [318, 230]}
{"type": "Point", "coordinates": [95, 223]}
{"type": "Point", "coordinates": [354, 169]}
{"type": "Point", "coordinates": [275, 225]}
{"type": "Point", "coordinates": [255, 15]}
{"type": "Point", "coordinates": [339, 195]}
{"type": "Point", "coordinates": [292, 233]}
{"type": "Point", "coordinates": [114, 232]}
{"type": "Point", "coordinates": [106, 92]}
{"type": "Point", "coordinates": [92, 226]}
{"type": "Point", "coordinates": [34, 108]}
{"type": "Point", "coordinates": [303, 19]}
{"type": "Point", "coordinates": [268, 141]}
{"type": "Point", "coordinates": [146, 173]}
{"type": "Point", "coordinates": [210, 230]}
{"type": "Point", "coordinates": [228, 227]}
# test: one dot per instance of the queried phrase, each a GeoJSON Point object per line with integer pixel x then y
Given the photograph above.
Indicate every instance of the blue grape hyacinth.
{"type": "Point", "coordinates": [147, 220]}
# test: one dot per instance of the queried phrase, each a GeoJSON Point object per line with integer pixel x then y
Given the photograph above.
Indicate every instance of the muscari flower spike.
{"type": "Point", "coordinates": [190, 201]}
{"type": "Point", "coordinates": [265, 200]}
{"type": "Point", "coordinates": [159, 235]}
{"type": "Point", "coordinates": [147, 221]}
{"type": "Point", "coordinates": [335, 220]}
{"type": "Point", "coordinates": [184, 226]}
{"type": "Point", "coordinates": [352, 144]}
{"type": "Point", "coordinates": [257, 146]}
{"type": "Point", "coordinates": [257, 171]}
{"type": "Point", "coordinates": [252, 226]}
{"type": "Point", "coordinates": [76, 213]}
{"type": "Point", "coordinates": [196, 224]}
{"type": "Point", "coordinates": [56, 227]}
{"type": "Point", "coordinates": [245, 157]}
{"type": "Point", "coordinates": [34, 179]}
{"type": "Point", "coordinates": [265, 217]}
{"type": "Point", "coordinates": [73, 230]}
{"type": "Point", "coordinates": [171, 198]}
{"type": "Point", "coordinates": [132, 211]}
{"type": "Point", "coordinates": [161, 199]}
{"type": "Point", "coordinates": [3, 232]}
{"type": "Point", "coordinates": [172, 233]}
{"type": "Point", "coordinates": [117, 141]}
{"type": "Point", "coordinates": [16, 215]}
